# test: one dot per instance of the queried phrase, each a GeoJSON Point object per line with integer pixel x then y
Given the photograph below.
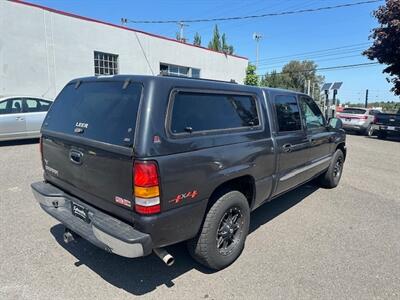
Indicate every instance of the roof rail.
{"type": "Point", "coordinates": [165, 74]}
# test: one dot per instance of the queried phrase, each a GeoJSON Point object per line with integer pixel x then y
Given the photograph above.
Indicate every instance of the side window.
{"type": "Point", "coordinates": [3, 107]}
{"type": "Point", "coordinates": [287, 112]}
{"type": "Point", "coordinates": [16, 106]}
{"type": "Point", "coordinates": [313, 117]}
{"type": "Point", "coordinates": [31, 105]}
{"type": "Point", "coordinates": [44, 105]}
{"type": "Point", "coordinates": [194, 111]}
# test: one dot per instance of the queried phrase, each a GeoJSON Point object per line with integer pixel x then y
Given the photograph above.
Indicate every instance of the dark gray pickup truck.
{"type": "Point", "coordinates": [136, 163]}
{"type": "Point", "coordinates": [387, 124]}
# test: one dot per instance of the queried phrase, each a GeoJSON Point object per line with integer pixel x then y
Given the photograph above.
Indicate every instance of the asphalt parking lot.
{"type": "Point", "coordinates": [311, 243]}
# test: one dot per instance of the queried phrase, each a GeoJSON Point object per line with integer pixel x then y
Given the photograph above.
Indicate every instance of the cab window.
{"type": "Point", "coordinates": [313, 117]}
{"type": "Point", "coordinates": [287, 112]}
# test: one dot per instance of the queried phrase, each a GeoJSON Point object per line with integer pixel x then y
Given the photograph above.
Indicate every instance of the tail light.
{"type": "Point", "coordinates": [41, 148]}
{"type": "Point", "coordinates": [364, 117]}
{"type": "Point", "coordinates": [146, 187]}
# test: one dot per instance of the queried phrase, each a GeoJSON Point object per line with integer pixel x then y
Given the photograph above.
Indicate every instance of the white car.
{"type": "Point", "coordinates": [358, 119]}
{"type": "Point", "coordinates": [21, 117]}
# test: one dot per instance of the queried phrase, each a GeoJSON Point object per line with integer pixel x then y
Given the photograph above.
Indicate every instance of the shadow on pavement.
{"type": "Point", "coordinates": [18, 142]}
{"type": "Point", "coordinates": [143, 275]}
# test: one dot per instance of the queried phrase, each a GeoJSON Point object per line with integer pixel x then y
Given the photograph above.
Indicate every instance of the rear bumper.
{"type": "Point", "coordinates": [389, 129]}
{"type": "Point", "coordinates": [354, 127]}
{"type": "Point", "coordinates": [102, 230]}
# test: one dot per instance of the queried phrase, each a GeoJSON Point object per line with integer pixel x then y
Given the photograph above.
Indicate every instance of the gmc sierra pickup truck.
{"type": "Point", "coordinates": [136, 163]}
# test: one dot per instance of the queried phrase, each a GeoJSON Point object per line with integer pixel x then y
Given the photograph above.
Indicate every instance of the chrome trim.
{"type": "Point", "coordinates": [305, 168]}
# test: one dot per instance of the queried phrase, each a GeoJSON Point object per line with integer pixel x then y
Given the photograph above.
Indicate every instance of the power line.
{"type": "Point", "coordinates": [347, 47]}
{"type": "Point", "coordinates": [292, 12]}
{"type": "Point", "coordinates": [328, 68]}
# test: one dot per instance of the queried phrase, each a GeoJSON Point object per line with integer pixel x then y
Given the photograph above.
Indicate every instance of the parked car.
{"type": "Point", "coordinates": [387, 124]}
{"type": "Point", "coordinates": [358, 119]}
{"type": "Point", "coordinates": [136, 163]}
{"type": "Point", "coordinates": [21, 117]}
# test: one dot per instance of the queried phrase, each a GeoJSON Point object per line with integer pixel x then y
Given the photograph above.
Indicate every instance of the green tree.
{"type": "Point", "coordinates": [295, 76]}
{"type": "Point", "coordinates": [219, 43]}
{"type": "Point", "coordinates": [215, 43]}
{"type": "Point", "coordinates": [386, 46]}
{"type": "Point", "coordinates": [197, 39]}
{"type": "Point", "coordinates": [224, 45]}
{"type": "Point", "coordinates": [251, 76]}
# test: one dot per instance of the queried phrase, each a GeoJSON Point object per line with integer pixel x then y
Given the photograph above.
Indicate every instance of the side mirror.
{"type": "Point", "coordinates": [336, 123]}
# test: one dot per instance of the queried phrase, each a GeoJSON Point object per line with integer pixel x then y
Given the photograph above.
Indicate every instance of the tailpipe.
{"type": "Point", "coordinates": [167, 258]}
{"type": "Point", "coordinates": [69, 236]}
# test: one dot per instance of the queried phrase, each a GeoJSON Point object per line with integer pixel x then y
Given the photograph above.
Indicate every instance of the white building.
{"type": "Point", "coordinates": [41, 49]}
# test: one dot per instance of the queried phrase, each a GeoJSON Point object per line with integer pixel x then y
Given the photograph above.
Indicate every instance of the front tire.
{"type": "Point", "coordinates": [223, 235]}
{"type": "Point", "coordinates": [330, 179]}
{"type": "Point", "coordinates": [370, 131]}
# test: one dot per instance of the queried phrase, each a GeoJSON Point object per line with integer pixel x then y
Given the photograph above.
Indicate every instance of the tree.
{"type": "Point", "coordinates": [197, 39]}
{"type": "Point", "coordinates": [295, 76]}
{"type": "Point", "coordinates": [251, 76]}
{"type": "Point", "coordinates": [215, 43]}
{"type": "Point", "coordinates": [219, 43]}
{"type": "Point", "coordinates": [386, 46]}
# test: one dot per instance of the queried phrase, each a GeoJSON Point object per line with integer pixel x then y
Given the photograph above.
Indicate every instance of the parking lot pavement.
{"type": "Point", "coordinates": [311, 243]}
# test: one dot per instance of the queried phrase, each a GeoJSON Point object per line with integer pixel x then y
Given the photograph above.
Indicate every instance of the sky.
{"type": "Point", "coordinates": [283, 37]}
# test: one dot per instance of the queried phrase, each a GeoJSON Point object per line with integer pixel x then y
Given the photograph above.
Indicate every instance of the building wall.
{"type": "Point", "coordinates": [41, 50]}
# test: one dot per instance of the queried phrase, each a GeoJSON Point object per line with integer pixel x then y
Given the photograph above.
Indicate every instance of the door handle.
{"type": "Point", "coordinates": [75, 157]}
{"type": "Point", "coordinates": [287, 148]}
{"type": "Point", "coordinates": [19, 118]}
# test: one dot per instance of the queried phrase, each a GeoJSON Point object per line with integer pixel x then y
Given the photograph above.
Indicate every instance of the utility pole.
{"type": "Point", "coordinates": [257, 37]}
{"type": "Point", "coordinates": [366, 98]}
{"type": "Point", "coordinates": [181, 35]}
{"type": "Point", "coordinates": [309, 87]}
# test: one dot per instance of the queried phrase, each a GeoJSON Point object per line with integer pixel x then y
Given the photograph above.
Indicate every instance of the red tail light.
{"type": "Point", "coordinates": [364, 117]}
{"type": "Point", "coordinates": [146, 187]}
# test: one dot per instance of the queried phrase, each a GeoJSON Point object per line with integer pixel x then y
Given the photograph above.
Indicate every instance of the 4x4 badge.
{"type": "Point", "coordinates": [188, 195]}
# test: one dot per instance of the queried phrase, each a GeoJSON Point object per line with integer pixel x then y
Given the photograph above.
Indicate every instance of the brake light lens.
{"type": "Point", "coordinates": [146, 187]}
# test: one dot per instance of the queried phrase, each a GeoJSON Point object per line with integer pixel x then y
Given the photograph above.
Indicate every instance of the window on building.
{"type": "Point", "coordinates": [287, 112]}
{"type": "Point", "coordinates": [105, 63]}
{"type": "Point", "coordinates": [194, 112]}
{"type": "Point", "coordinates": [179, 70]}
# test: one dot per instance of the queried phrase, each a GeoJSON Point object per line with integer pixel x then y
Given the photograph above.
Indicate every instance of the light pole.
{"type": "Point", "coordinates": [257, 37]}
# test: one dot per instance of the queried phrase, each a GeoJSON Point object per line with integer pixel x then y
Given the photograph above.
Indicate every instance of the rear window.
{"type": "Point", "coordinates": [358, 111]}
{"type": "Point", "coordinates": [193, 112]}
{"type": "Point", "coordinates": [104, 110]}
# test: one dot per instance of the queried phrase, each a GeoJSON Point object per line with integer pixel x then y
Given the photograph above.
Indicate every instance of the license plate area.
{"type": "Point", "coordinates": [391, 128]}
{"type": "Point", "coordinates": [80, 212]}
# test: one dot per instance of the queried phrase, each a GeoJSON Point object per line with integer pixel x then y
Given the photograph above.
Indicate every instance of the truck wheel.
{"type": "Point", "coordinates": [382, 135]}
{"type": "Point", "coordinates": [331, 177]}
{"type": "Point", "coordinates": [222, 237]}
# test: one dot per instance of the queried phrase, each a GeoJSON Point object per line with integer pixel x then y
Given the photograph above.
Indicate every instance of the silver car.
{"type": "Point", "coordinates": [358, 119]}
{"type": "Point", "coordinates": [21, 117]}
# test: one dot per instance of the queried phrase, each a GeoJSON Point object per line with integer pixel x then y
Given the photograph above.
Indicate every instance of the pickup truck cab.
{"type": "Point", "coordinates": [137, 163]}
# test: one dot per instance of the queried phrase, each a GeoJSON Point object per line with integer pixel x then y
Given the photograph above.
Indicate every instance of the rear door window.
{"type": "Point", "coordinates": [197, 112]}
{"type": "Point", "coordinates": [103, 109]}
{"type": "Point", "coordinates": [287, 112]}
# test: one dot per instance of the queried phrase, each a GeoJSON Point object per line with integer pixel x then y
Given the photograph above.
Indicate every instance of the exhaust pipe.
{"type": "Point", "coordinates": [167, 258]}
{"type": "Point", "coordinates": [68, 236]}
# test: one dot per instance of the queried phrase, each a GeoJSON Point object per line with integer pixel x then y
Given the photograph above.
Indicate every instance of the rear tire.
{"type": "Point", "coordinates": [223, 235]}
{"type": "Point", "coordinates": [331, 177]}
{"type": "Point", "coordinates": [370, 131]}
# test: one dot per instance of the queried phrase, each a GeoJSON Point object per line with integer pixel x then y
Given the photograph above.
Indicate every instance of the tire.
{"type": "Point", "coordinates": [370, 131]}
{"type": "Point", "coordinates": [382, 135]}
{"type": "Point", "coordinates": [330, 179]}
{"type": "Point", "coordinates": [207, 248]}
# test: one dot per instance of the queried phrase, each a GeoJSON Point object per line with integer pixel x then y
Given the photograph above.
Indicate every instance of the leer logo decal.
{"type": "Point", "coordinates": [189, 195]}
